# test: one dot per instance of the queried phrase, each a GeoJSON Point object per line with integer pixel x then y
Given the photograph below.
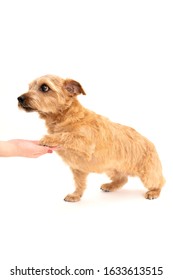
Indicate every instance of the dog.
{"type": "Point", "coordinates": [91, 142]}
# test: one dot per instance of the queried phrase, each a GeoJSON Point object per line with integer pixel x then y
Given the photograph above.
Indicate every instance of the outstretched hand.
{"type": "Point", "coordinates": [24, 148]}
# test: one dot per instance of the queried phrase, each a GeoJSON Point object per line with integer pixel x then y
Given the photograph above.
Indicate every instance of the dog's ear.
{"type": "Point", "coordinates": [73, 88]}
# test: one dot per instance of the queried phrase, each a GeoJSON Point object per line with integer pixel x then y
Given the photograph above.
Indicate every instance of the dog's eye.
{"type": "Point", "coordinates": [44, 88]}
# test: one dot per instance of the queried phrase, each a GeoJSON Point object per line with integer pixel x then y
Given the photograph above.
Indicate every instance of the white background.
{"type": "Point", "coordinates": [122, 54]}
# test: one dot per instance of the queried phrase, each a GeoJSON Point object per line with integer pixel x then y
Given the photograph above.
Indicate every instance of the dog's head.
{"type": "Point", "coordinates": [50, 94]}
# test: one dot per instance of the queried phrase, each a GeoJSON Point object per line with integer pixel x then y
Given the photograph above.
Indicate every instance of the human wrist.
{"type": "Point", "coordinates": [7, 148]}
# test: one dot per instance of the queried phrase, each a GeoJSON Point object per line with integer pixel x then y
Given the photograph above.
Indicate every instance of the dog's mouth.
{"type": "Point", "coordinates": [26, 108]}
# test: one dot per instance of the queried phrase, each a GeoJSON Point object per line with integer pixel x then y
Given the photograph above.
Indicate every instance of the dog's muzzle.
{"type": "Point", "coordinates": [24, 104]}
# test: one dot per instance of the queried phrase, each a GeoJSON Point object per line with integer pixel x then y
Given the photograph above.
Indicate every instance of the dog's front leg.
{"type": "Point", "coordinates": [70, 141]}
{"type": "Point", "coordinates": [80, 185]}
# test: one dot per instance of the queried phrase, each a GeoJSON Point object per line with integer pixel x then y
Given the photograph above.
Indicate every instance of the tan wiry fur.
{"type": "Point", "coordinates": [91, 142]}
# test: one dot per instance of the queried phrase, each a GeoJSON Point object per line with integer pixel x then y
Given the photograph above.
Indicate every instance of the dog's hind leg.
{"type": "Point", "coordinates": [150, 173]}
{"type": "Point", "coordinates": [154, 185]}
{"type": "Point", "coordinates": [80, 184]}
{"type": "Point", "coordinates": [118, 180]}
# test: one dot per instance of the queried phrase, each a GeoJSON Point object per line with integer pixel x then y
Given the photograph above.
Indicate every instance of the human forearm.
{"type": "Point", "coordinates": [7, 149]}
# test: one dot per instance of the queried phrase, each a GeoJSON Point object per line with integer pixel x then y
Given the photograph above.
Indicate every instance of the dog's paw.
{"type": "Point", "coordinates": [105, 188]}
{"type": "Point", "coordinates": [48, 140]}
{"type": "Point", "coordinates": [45, 141]}
{"type": "Point", "coordinates": [72, 197]}
{"type": "Point", "coordinates": [152, 194]}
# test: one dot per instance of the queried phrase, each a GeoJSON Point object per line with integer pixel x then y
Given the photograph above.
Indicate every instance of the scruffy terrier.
{"type": "Point", "coordinates": [91, 142]}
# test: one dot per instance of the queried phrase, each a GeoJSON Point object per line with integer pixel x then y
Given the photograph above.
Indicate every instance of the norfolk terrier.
{"type": "Point", "coordinates": [91, 142]}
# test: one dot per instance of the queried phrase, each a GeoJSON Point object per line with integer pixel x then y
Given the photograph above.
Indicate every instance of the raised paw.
{"type": "Point", "coordinates": [72, 197]}
{"type": "Point", "coordinates": [152, 194]}
{"type": "Point", "coordinates": [48, 140]}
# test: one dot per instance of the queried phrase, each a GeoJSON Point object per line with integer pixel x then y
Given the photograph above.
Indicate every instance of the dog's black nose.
{"type": "Point", "coordinates": [21, 99]}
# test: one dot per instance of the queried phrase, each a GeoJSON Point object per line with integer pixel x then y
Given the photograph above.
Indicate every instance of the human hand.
{"type": "Point", "coordinates": [24, 148]}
